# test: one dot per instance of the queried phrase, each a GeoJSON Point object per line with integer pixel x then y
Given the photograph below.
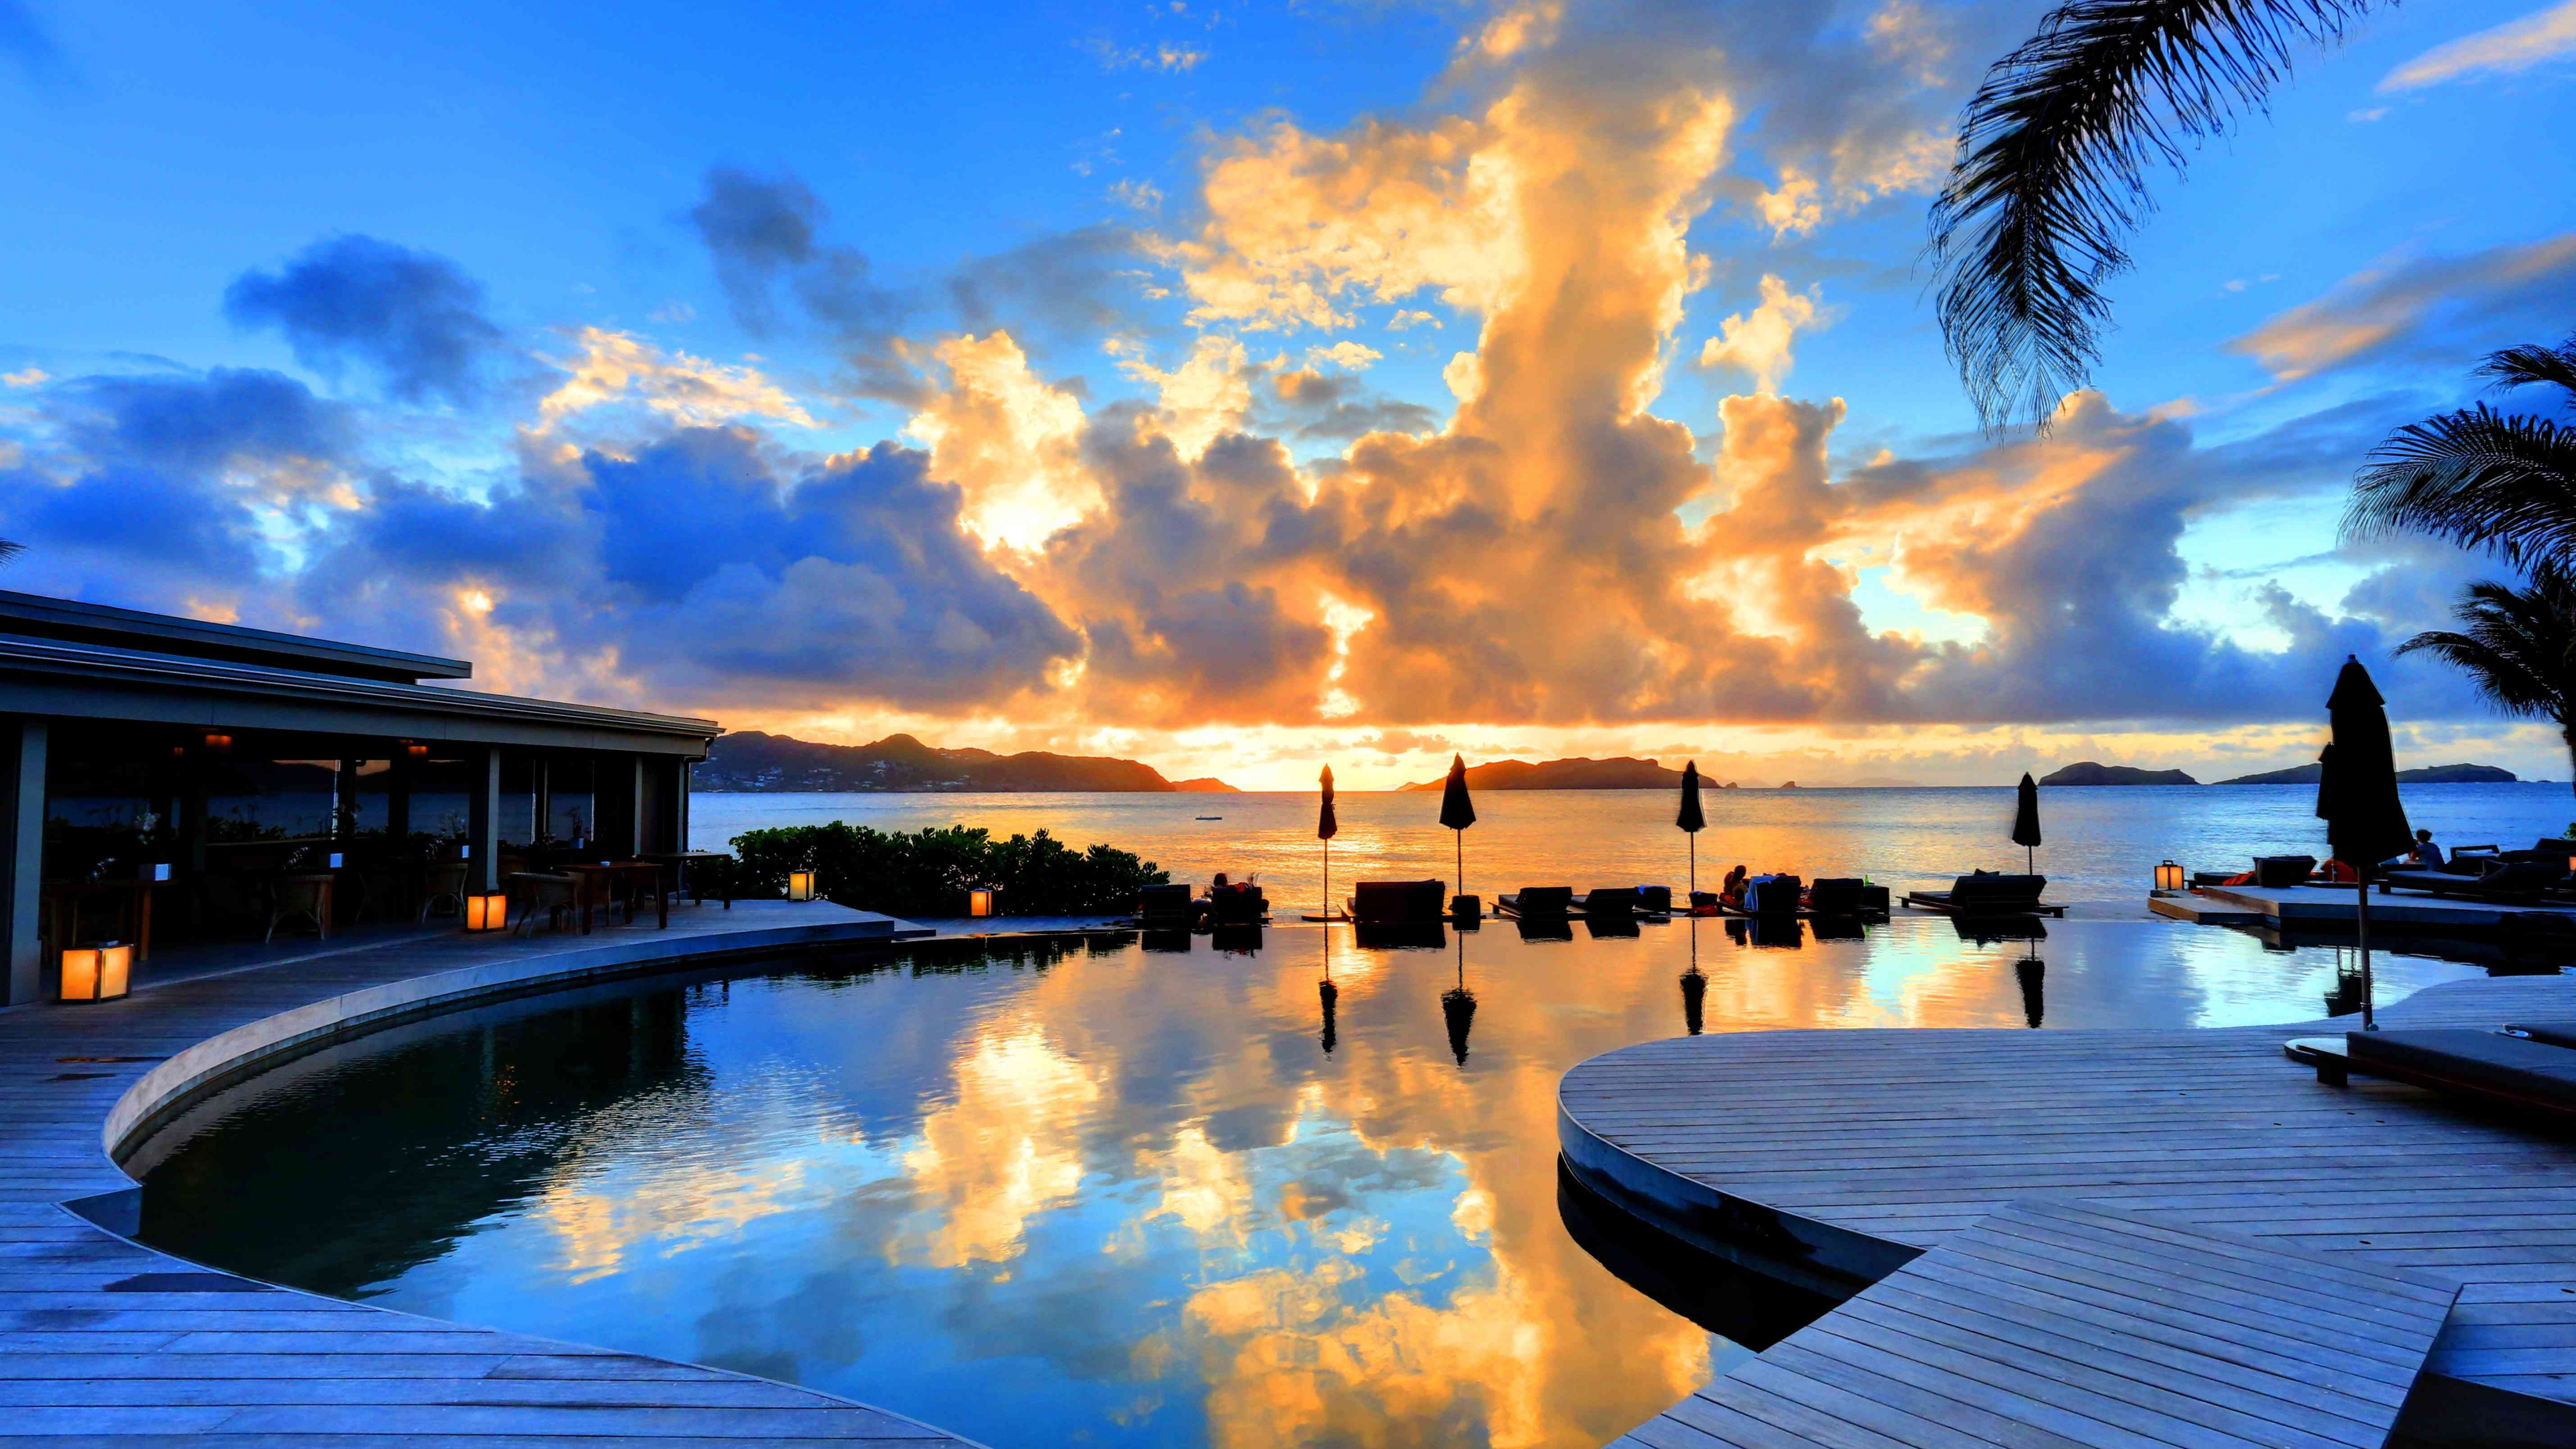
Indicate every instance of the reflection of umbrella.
{"type": "Point", "coordinates": [2026, 822]}
{"type": "Point", "coordinates": [1457, 812]}
{"type": "Point", "coordinates": [1692, 822]}
{"type": "Point", "coordinates": [1326, 827]}
{"type": "Point", "coordinates": [1458, 1004]}
{"type": "Point", "coordinates": [2033, 974]}
{"type": "Point", "coordinates": [2357, 797]}
{"type": "Point", "coordinates": [1694, 985]}
{"type": "Point", "coordinates": [1331, 995]}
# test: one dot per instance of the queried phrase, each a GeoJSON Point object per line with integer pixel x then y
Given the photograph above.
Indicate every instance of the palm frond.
{"type": "Point", "coordinates": [2481, 478]}
{"type": "Point", "coordinates": [2534, 363]}
{"type": "Point", "coordinates": [2517, 644]}
{"type": "Point", "coordinates": [2050, 173]}
{"type": "Point", "coordinates": [9, 550]}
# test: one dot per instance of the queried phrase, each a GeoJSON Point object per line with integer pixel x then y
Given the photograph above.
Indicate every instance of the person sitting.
{"type": "Point", "coordinates": [1732, 892]}
{"type": "Point", "coordinates": [2426, 853]}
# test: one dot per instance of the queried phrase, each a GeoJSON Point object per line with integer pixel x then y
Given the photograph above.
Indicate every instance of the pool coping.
{"type": "Point", "coordinates": [65, 1212]}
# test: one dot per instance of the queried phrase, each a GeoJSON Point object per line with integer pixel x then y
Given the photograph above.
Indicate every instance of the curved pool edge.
{"type": "Point", "coordinates": [467, 1382]}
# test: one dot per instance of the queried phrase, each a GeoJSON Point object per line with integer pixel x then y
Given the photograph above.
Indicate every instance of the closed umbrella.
{"type": "Point", "coordinates": [1326, 827]}
{"type": "Point", "coordinates": [2026, 822]}
{"type": "Point", "coordinates": [2357, 797]}
{"type": "Point", "coordinates": [1692, 821]}
{"type": "Point", "coordinates": [1457, 812]}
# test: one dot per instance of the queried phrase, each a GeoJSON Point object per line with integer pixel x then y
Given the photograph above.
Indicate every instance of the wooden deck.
{"type": "Point", "coordinates": [1835, 1158]}
{"type": "Point", "coordinates": [106, 1343]}
{"type": "Point", "coordinates": [2079, 1325]}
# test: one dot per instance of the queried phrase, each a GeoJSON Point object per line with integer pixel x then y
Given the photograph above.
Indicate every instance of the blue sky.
{"type": "Point", "coordinates": [1091, 376]}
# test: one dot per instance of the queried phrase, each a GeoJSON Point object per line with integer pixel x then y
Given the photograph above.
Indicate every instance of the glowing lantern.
{"type": "Point", "coordinates": [219, 744]}
{"type": "Point", "coordinates": [417, 752]}
{"type": "Point", "coordinates": [487, 912]}
{"type": "Point", "coordinates": [979, 902]}
{"type": "Point", "coordinates": [2168, 877]}
{"type": "Point", "coordinates": [800, 885]}
{"type": "Point", "coordinates": [95, 972]}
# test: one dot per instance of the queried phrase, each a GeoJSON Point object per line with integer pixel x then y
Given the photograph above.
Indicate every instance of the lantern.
{"type": "Point", "coordinates": [979, 902]}
{"type": "Point", "coordinates": [95, 972]}
{"type": "Point", "coordinates": [800, 885]}
{"type": "Point", "coordinates": [487, 911]}
{"type": "Point", "coordinates": [219, 744]}
{"type": "Point", "coordinates": [417, 752]}
{"type": "Point", "coordinates": [2169, 877]}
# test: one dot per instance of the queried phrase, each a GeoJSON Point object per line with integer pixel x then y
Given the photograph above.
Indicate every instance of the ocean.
{"type": "Point", "coordinates": [2102, 843]}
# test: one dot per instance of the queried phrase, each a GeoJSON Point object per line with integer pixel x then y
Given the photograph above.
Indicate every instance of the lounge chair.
{"type": "Point", "coordinates": [1166, 906]}
{"type": "Point", "coordinates": [2487, 1066]}
{"type": "Point", "coordinates": [1237, 905]}
{"type": "Point", "coordinates": [1538, 903]}
{"type": "Point", "coordinates": [1392, 902]}
{"type": "Point", "coordinates": [2502, 881]}
{"type": "Point", "coordinates": [1770, 895]}
{"type": "Point", "coordinates": [1986, 893]}
{"type": "Point", "coordinates": [1655, 900]}
{"type": "Point", "coordinates": [1614, 903]}
{"type": "Point", "coordinates": [1846, 896]}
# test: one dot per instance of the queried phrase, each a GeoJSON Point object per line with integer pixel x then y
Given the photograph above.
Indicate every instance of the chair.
{"type": "Point", "coordinates": [1617, 902]}
{"type": "Point", "coordinates": [1771, 895]}
{"type": "Point", "coordinates": [1655, 900]}
{"type": "Point", "coordinates": [1986, 893]}
{"type": "Point", "coordinates": [1166, 905]}
{"type": "Point", "coordinates": [2503, 881]}
{"type": "Point", "coordinates": [1539, 903]}
{"type": "Point", "coordinates": [291, 896]}
{"type": "Point", "coordinates": [2487, 1066]}
{"type": "Point", "coordinates": [442, 880]}
{"type": "Point", "coordinates": [1398, 902]}
{"type": "Point", "coordinates": [1846, 896]}
{"type": "Point", "coordinates": [556, 895]}
{"type": "Point", "coordinates": [2274, 872]}
{"type": "Point", "coordinates": [1237, 905]}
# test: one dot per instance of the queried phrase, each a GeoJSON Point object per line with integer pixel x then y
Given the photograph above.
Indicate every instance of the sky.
{"type": "Point", "coordinates": [1244, 387]}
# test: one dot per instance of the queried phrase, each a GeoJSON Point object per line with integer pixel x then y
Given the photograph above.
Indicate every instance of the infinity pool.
{"type": "Point", "coordinates": [1086, 1191]}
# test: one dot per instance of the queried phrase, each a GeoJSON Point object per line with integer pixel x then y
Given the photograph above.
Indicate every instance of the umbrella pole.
{"type": "Point", "coordinates": [2369, 1022]}
{"type": "Point", "coordinates": [1461, 837]}
{"type": "Point", "coordinates": [1328, 880]}
{"type": "Point", "coordinates": [1694, 874]}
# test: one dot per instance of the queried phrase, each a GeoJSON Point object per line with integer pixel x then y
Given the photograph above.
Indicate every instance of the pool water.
{"type": "Point", "coordinates": [1076, 1190]}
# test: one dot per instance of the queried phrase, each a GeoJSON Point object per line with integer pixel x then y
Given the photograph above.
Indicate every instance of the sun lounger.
{"type": "Point", "coordinates": [1166, 905]}
{"type": "Point", "coordinates": [1388, 902]}
{"type": "Point", "coordinates": [2547, 1033]}
{"type": "Point", "coordinates": [2487, 1066]}
{"type": "Point", "coordinates": [1983, 893]}
{"type": "Point", "coordinates": [2273, 872]}
{"type": "Point", "coordinates": [2510, 880]}
{"type": "Point", "coordinates": [1846, 896]}
{"type": "Point", "coordinates": [1615, 901]}
{"type": "Point", "coordinates": [1538, 902]}
{"type": "Point", "coordinates": [1655, 900]}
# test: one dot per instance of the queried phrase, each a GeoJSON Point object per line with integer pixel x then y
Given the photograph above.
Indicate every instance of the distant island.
{"type": "Point", "coordinates": [2088, 772]}
{"type": "Point", "coordinates": [755, 762]}
{"type": "Point", "coordinates": [1622, 773]}
{"type": "Point", "coordinates": [2426, 775]}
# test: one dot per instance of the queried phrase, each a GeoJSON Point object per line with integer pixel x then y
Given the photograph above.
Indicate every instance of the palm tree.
{"type": "Point", "coordinates": [10, 550]}
{"type": "Point", "coordinates": [2518, 645]}
{"type": "Point", "coordinates": [2050, 173]}
{"type": "Point", "coordinates": [2505, 482]}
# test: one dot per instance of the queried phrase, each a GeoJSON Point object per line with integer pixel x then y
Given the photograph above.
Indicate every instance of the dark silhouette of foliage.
{"type": "Point", "coordinates": [928, 872]}
{"type": "Point", "coordinates": [2517, 644]}
{"type": "Point", "coordinates": [2050, 176]}
{"type": "Point", "coordinates": [2504, 482]}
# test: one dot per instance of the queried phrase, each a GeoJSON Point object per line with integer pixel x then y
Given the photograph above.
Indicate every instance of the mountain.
{"type": "Point", "coordinates": [1623, 773]}
{"type": "Point", "coordinates": [752, 761]}
{"type": "Point", "coordinates": [2087, 772]}
{"type": "Point", "coordinates": [1205, 785]}
{"type": "Point", "coordinates": [2425, 775]}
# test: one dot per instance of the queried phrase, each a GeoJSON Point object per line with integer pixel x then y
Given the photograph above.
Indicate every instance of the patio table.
{"type": "Point", "coordinates": [596, 885]}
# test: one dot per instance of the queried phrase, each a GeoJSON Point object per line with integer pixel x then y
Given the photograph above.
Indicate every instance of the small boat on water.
{"type": "Point", "coordinates": [1211, 817]}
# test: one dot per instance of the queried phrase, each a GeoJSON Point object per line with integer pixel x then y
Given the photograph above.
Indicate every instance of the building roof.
{"type": "Point", "coordinates": [77, 679]}
{"type": "Point", "coordinates": [35, 616]}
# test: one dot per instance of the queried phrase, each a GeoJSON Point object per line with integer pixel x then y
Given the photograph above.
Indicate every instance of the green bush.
{"type": "Point", "coordinates": [929, 872]}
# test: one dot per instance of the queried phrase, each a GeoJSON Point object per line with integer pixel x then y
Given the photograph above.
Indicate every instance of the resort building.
{"type": "Point", "coordinates": [204, 781]}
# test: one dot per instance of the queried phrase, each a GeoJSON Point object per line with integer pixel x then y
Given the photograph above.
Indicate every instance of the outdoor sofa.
{"type": "Point", "coordinates": [2499, 879]}
{"type": "Point", "coordinates": [2488, 1066]}
{"type": "Point", "coordinates": [1989, 894]}
{"type": "Point", "coordinates": [1538, 902]}
{"type": "Point", "coordinates": [1166, 905]}
{"type": "Point", "coordinates": [1846, 896]}
{"type": "Point", "coordinates": [1398, 902]}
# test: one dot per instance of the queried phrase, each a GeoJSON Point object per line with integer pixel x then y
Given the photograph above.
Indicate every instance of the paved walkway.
{"type": "Point", "coordinates": [106, 1343]}
{"type": "Point", "coordinates": [1844, 1159]}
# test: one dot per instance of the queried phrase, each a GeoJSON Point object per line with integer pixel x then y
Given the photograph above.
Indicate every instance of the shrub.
{"type": "Point", "coordinates": [929, 872]}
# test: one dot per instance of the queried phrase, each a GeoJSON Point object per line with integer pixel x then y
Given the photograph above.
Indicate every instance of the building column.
{"type": "Point", "coordinates": [681, 805]}
{"type": "Point", "coordinates": [398, 799]}
{"type": "Point", "coordinates": [22, 855]}
{"type": "Point", "coordinates": [483, 818]}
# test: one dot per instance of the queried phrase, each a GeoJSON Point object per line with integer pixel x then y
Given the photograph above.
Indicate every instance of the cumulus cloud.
{"type": "Point", "coordinates": [764, 234]}
{"type": "Point", "coordinates": [610, 368]}
{"type": "Point", "coordinates": [2447, 308]}
{"type": "Point", "coordinates": [1009, 440]}
{"type": "Point", "coordinates": [2516, 45]}
{"type": "Point", "coordinates": [413, 316]}
{"type": "Point", "coordinates": [1319, 405]}
{"type": "Point", "coordinates": [1760, 341]}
